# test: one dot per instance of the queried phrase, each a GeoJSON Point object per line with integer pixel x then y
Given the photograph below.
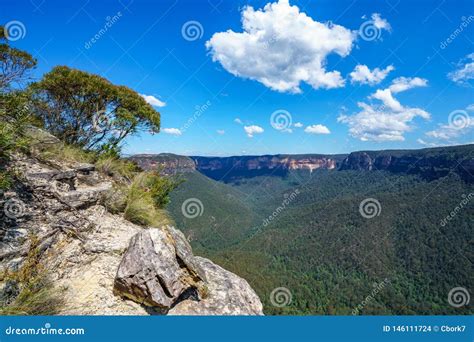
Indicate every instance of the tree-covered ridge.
{"type": "Point", "coordinates": [327, 254]}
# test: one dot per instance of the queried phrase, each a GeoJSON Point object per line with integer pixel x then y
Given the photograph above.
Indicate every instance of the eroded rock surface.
{"type": "Point", "coordinates": [159, 270]}
{"type": "Point", "coordinates": [103, 264]}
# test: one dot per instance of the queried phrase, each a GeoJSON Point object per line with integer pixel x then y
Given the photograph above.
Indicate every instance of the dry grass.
{"type": "Point", "coordinates": [37, 294]}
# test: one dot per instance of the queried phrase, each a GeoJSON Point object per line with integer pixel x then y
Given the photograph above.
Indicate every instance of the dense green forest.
{"type": "Point", "coordinates": [404, 260]}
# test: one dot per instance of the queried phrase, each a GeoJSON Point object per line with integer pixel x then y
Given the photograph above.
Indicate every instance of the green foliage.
{"type": "Point", "coordinates": [141, 200]}
{"type": "Point", "coordinates": [325, 252]}
{"type": "Point", "coordinates": [15, 64]}
{"type": "Point", "coordinates": [116, 167]}
{"type": "Point", "coordinates": [225, 211]}
{"type": "Point", "coordinates": [87, 110]}
{"type": "Point", "coordinates": [141, 207]}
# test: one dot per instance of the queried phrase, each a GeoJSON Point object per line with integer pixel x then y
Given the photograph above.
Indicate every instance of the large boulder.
{"type": "Point", "coordinates": [228, 294]}
{"type": "Point", "coordinates": [160, 271]}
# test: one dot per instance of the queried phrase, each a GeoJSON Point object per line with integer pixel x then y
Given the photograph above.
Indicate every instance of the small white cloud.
{"type": "Point", "coordinates": [405, 83]}
{"type": "Point", "coordinates": [253, 129]}
{"type": "Point", "coordinates": [425, 143]}
{"type": "Point", "coordinates": [220, 132]}
{"type": "Point", "coordinates": [464, 72]}
{"type": "Point", "coordinates": [298, 125]}
{"type": "Point", "coordinates": [389, 121]}
{"type": "Point", "coordinates": [470, 108]}
{"type": "Point", "coordinates": [363, 75]}
{"type": "Point", "coordinates": [282, 47]}
{"type": "Point", "coordinates": [317, 129]}
{"type": "Point", "coordinates": [451, 130]}
{"type": "Point", "coordinates": [153, 100]}
{"type": "Point", "coordinates": [385, 95]}
{"type": "Point", "coordinates": [237, 120]}
{"type": "Point", "coordinates": [380, 23]}
{"type": "Point", "coordinates": [172, 131]}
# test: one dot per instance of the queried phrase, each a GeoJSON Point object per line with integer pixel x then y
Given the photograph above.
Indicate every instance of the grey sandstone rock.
{"type": "Point", "coordinates": [159, 270]}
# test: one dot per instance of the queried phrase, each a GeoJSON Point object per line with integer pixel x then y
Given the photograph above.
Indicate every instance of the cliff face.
{"type": "Point", "coordinates": [430, 163]}
{"type": "Point", "coordinates": [100, 263]}
{"type": "Point", "coordinates": [227, 168]}
{"type": "Point", "coordinates": [167, 163]}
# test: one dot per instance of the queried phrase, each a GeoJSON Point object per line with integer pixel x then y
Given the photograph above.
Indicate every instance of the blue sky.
{"type": "Point", "coordinates": [355, 75]}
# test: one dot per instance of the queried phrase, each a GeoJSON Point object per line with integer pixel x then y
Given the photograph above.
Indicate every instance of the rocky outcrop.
{"type": "Point", "coordinates": [159, 271]}
{"type": "Point", "coordinates": [101, 263]}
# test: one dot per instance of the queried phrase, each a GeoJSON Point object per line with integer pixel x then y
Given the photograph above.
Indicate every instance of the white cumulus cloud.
{"type": "Point", "coordinates": [380, 23]}
{"type": "Point", "coordinates": [465, 70]}
{"type": "Point", "coordinates": [317, 129]}
{"type": "Point", "coordinates": [282, 47]}
{"type": "Point", "coordinates": [298, 125]}
{"type": "Point", "coordinates": [153, 100]}
{"type": "Point", "coordinates": [405, 83]}
{"type": "Point", "coordinates": [220, 132]}
{"type": "Point", "coordinates": [252, 130]}
{"type": "Point", "coordinates": [363, 75]}
{"type": "Point", "coordinates": [388, 121]}
{"type": "Point", "coordinates": [172, 131]}
{"type": "Point", "coordinates": [237, 120]}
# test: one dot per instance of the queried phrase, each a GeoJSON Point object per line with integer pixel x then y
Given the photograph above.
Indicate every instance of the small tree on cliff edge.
{"type": "Point", "coordinates": [15, 64]}
{"type": "Point", "coordinates": [87, 110]}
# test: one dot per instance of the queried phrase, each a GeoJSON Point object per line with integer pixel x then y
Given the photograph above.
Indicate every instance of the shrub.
{"type": "Point", "coordinates": [87, 110]}
{"type": "Point", "coordinates": [116, 167]}
{"type": "Point", "coordinates": [37, 295]}
{"type": "Point", "coordinates": [141, 200]}
{"type": "Point", "coordinates": [14, 64]}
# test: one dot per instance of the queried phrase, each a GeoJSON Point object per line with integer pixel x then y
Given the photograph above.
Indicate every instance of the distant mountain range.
{"type": "Point", "coordinates": [298, 222]}
{"type": "Point", "coordinates": [430, 163]}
